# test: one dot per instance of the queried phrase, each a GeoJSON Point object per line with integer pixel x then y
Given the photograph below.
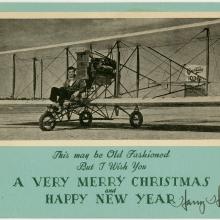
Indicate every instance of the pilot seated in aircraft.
{"type": "Point", "coordinates": [72, 89]}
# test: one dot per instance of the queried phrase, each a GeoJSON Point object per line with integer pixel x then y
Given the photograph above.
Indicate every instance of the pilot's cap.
{"type": "Point", "coordinates": [72, 68]}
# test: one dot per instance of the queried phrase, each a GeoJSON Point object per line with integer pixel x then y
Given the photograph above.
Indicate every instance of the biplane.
{"type": "Point", "coordinates": [108, 91]}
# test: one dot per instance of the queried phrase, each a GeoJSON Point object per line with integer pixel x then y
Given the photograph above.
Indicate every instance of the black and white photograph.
{"type": "Point", "coordinates": [109, 78]}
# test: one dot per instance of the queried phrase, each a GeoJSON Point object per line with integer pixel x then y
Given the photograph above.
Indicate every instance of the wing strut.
{"type": "Point", "coordinates": [13, 77]}
{"type": "Point", "coordinates": [138, 70]}
{"type": "Point", "coordinates": [207, 59]}
{"type": "Point", "coordinates": [67, 61]}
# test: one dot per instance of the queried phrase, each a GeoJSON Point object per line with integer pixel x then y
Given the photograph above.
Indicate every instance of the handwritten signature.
{"type": "Point", "coordinates": [186, 202]}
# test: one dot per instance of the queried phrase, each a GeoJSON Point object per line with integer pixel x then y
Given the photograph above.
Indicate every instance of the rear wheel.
{"type": "Point", "coordinates": [85, 118]}
{"type": "Point", "coordinates": [47, 121]}
{"type": "Point", "coordinates": [136, 119]}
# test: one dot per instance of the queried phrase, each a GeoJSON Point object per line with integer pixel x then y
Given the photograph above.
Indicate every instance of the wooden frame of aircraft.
{"type": "Point", "coordinates": [101, 104]}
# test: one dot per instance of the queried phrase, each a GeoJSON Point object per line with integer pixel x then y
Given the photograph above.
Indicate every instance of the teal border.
{"type": "Point", "coordinates": [29, 201]}
{"type": "Point", "coordinates": [110, 7]}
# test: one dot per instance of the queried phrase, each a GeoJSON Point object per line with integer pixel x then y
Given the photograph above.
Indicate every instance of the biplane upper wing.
{"type": "Point", "coordinates": [151, 37]}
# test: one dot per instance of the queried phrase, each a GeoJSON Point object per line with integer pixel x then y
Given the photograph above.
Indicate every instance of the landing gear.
{"type": "Point", "coordinates": [47, 122]}
{"type": "Point", "coordinates": [54, 115]}
{"type": "Point", "coordinates": [85, 118]}
{"type": "Point", "coordinates": [136, 119]}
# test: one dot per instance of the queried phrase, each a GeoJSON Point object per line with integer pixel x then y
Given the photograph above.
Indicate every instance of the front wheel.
{"type": "Point", "coordinates": [85, 118]}
{"type": "Point", "coordinates": [47, 121]}
{"type": "Point", "coordinates": [136, 119]}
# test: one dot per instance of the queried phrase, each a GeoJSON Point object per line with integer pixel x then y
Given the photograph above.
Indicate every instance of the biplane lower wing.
{"type": "Point", "coordinates": [160, 102]}
{"type": "Point", "coordinates": [132, 102]}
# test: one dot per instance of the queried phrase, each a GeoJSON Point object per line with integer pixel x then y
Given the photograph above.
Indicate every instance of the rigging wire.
{"type": "Point", "coordinates": [56, 57]}
{"type": "Point", "coordinates": [176, 51]}
{"type": "Point", "coordinates": [197, 55]}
